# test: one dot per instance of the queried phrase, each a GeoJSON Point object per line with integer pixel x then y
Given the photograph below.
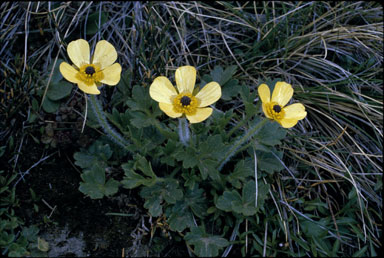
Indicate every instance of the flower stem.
{"type": "Point", "coordinates": [237, 126]}
{"type": "Point", "coordinates": [110, 132]}
{"type": "Point", "coordinates": [235, 147]}
{"type": "Point", "coordinates": [86, 112]}
{"type": "Point", "coordinates": [184, 133]}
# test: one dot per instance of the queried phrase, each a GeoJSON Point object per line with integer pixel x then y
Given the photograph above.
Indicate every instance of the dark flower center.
{"type": "Point", "coordinates": [90, 70]}
{"type": "Point", "coordinates": [185, 101]}
{"type": "Point", "coordinates": [277, 108]}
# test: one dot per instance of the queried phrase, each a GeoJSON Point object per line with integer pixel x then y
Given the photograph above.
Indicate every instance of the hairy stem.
{"type": "Point", "coordinates": [110, 132]}
{"type": "Point", "coordinates": [184, 133]}
{"type": "Point", "coordinates": [235, 147]}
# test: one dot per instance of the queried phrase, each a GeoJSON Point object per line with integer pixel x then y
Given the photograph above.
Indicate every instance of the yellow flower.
{"type": "Point", "coordinates": [275, 108]}
{"type": "Point", "coordinates": [89, 73]}
{"type": "Point", "coordinates": [175, 103]}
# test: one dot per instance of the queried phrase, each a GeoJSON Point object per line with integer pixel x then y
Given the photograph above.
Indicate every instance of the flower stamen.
{"type": "Point", "coordinates": [90, 74]}
{"type": "Point", "coordinates": [275, 111]}
{"type": "Point", "coordinates": [90, 70]}
{"type": "Point", "coordinates": [277, 108]}
{"type": "Point", "coordinates": [185, 103]}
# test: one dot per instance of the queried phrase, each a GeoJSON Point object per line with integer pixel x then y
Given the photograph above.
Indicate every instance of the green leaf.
{"type": "Point", "coordinates": [230, 89]}
{"type": "Point", "coordinates": [153, 204]}
{"type": "Point", "coordinates": [335, 248]}
{"type": "Point", "coordinates": [96, 153]}
{"type": "Point", "coordinates": [229, 86]}
{"type": "Point", "coordinates": [30, 233]}
{"type": "Point", "coordinates": [56, 74]}
{"type": "Point", "coordinates": [217, 73]}
{"type": "Point", "coordinates": [227, 74]}
{"type": "Point", "coordinates": [225, 202]}
{"type": "Point", "coordinates": [205, 245]}
{"type": "Point", "coordinates": [205, 156]}
{"type": "Point", "coordinates": [267, 162]}
{"type": "Point", "coordinates": [140, 120]}
{"type": "Point", "coordinates": [171, 192]}
{"type": "Point", "coordinates": [312, 229]}
{"type": "Point", "coordinates": [315, 204]}
{"type": "Point", "coordinates": [165, 189]}
{"type": "Point", "coordinates": [195, 199]}
{"type": "Point", "coordinates": [248, 199]}
{"type": "Point", "coordinates": [6, 239]}
{"type": "Point", "coordinates": [221, 76]}
{"type": "Point", "coordinates": [97, 175]}
{"type": "Point", "coordinates": [211, 147]}
{"type": "Point", "coordinates": [180, 217]}
{"type": "Point", "coordinates": [232, 201]}
{"type": "Point", "coordinates": [271, 83]}
{"type": "Point", "coordinates": [345, 221]}
{"type": "Point", "coordinates": [111, 187]}
{"type": "Point", "coordinates": [32, 118]}
{"type": "Point", "coordinates": [2, 150]}
{"type": "Point", "coordinates": [248, 99]}
{"type": "Point", "coordinates": [144, 166]}
{"type": "Point", "coordinates": [93, 22]}
{"type": "Point", "coordinates": [91, 189]}
{"type": "Point", "coordinates": [187, 156]}
{"type": "Point", "coordinates": [94, 185]}
{"type": "Point", "coordinates": [145, 139]}
{"type": "Point", "coordinates": [35, 104]}
{"type": "Point", "coordinates": [221, 120]}
{"type": "Point", "coordinates": [361, 252]}
{"type": "Point", "coordinates": [133, 180]}
{"type": "Point", "coordinates": [59, 90]}
{"type": "Point", "coordinates": [241, 173]}
{"type": "Point", "coordinates": [17, 251]}
{"type": "Point", "coordinates": [125, 83]}
{"type": "Point", "coordinates": [120, 120]}
{"type": "Point", "coordinates": [166, 155]}
{"type": "Point", "coordinates": [50, 106]}
{"type": "Point", "coordinates": [84, 160]}
{"type": "Point", "coordinates": [209, 167]}
{"type": "Point", "coordinates": [271, 134]}
{"type": "Point", "coordinates": [262, 193]}
{"type": "Point", "coordinates": [141, 101]}
{"type": "Point", "coordinates": [246, 205]}
{"type": "Point", "coordinates": [191, 178]}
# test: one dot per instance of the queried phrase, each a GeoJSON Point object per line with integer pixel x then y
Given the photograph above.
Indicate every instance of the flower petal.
{"type": "Point", "coordinates": [68, 72]}
{"type": "Point", "coordinates": [112, 74]}
{"type": "Point", "coordinates": [168, 109]}
{"type": "Point", "coordinates": [209, 94]}
{"type": "Point", "coordinates": [90, 89]}
{"type": "Point", "coordinates": [78, 52]}
{"type": "Point", "coordinates": [295, 111]}
{"type": "Point", "coordinates": [185, 78]}
{"type": "Point", "coordinates": [282, 93]}
{"type": "Point", "coordinates": [162, 90]}
{"type": "Point", "coordinates": [265, 110]}
{"type": "Point", "coordinates": [105, 54]}
{"type": "Point", "coordinates": [288, 123]}
{"type": "Point", "coordinates": [264, 93]}
{"type": "Point", "coordinates": [201, 115]}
